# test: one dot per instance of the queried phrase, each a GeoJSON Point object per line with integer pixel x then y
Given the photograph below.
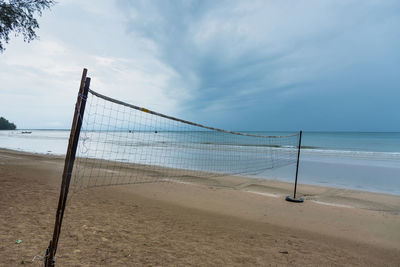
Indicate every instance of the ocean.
{"type": "Point", "coordinates": [350, 160]}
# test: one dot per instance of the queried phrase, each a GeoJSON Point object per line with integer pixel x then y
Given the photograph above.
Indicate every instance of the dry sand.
{"type": "Point", "coordinates": [224, 222]}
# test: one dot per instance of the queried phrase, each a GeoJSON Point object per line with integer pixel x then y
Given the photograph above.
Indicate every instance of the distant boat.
{"type": "Point", "coordinates": [26, 132]}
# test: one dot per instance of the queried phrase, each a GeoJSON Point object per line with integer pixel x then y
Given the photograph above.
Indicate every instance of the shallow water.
{"type": "Point", "coordinates": [363, 161]}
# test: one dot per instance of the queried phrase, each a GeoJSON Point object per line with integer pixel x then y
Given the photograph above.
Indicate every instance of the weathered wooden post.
{"type": "Point", "coordinates": [49, 259]}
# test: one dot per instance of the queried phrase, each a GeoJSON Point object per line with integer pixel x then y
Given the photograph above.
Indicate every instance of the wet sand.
{"type": "Point", "coordinates": [221, 221]}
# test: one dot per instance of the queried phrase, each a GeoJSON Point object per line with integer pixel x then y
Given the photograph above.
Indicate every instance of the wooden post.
{"type": "Point", "coordinates": [68, 166]}
{"type": "Point", "coordinates": [294, 199]}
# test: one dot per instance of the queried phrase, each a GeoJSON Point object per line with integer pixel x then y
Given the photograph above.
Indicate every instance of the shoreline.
{"type": "Point", "coordinates": [224, 221]}
{"type": "Point", "coordinates": [273, 175]}
{"type": "Point", "coordinates": [323, 195]}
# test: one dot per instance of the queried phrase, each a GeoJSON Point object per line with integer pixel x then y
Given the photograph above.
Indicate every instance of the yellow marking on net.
{"type": "Point", "coordinates": [145, 110]}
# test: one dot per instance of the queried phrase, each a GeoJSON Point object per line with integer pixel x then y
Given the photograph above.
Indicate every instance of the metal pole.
{"type": "Point", "coordinates": [68, 166]}
{"type": "Point", "coordinates": [294, 199]}
{"type": "Point", "coordinates": [297, 165]}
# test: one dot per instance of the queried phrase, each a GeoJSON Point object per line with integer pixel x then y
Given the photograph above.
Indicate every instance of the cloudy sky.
{"type": "Point", "coordinates": [242, 65]}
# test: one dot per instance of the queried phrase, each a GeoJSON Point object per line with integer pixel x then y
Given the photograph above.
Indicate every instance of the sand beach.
{"type": "Point", "coordinates": [227, 221]}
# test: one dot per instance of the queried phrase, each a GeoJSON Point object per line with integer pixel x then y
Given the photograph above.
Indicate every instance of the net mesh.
{"type": "Point", "coordinates": [125, 144]}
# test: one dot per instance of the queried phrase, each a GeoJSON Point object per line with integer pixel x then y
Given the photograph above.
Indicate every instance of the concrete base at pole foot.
{"type": "Point", "coordinates": [295, 200]}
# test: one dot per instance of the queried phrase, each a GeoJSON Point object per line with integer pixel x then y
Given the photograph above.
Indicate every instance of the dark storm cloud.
{"type": "Point", "coordinates": [278, 65]}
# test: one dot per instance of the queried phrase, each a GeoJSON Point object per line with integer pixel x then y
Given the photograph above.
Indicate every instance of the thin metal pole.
{"type": "Point", "coordinates": [68, 166]}
{"type": "Point", "coordinates": [297, 166]}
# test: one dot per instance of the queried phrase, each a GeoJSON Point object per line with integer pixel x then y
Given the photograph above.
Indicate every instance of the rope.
{"type": "Point", "coordinates": [180, 120]}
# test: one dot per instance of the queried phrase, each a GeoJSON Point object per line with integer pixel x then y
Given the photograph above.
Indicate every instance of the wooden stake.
{"type": "Point", "coordinates": [68, 166]}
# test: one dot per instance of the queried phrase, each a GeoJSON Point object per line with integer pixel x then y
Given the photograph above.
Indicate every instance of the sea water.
{"type": "Point", "coordinates": [353, 160]}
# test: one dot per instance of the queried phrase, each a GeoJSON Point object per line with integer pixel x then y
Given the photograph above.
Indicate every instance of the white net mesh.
{"type": "Point", "coordinates": [125, 144]}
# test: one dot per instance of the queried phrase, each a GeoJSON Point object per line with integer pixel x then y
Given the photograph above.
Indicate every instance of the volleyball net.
{"type": "Point", "coordinates": [121, 143]}
{"type": "Point", "coordinates": [116, 143]}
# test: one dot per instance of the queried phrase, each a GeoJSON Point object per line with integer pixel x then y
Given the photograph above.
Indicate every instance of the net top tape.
{"type": "Point", "coordinates": [183, 121]}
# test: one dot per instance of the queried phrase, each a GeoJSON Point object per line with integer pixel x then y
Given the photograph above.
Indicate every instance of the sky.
{"type": "Point", "coordinates": [240, 65]}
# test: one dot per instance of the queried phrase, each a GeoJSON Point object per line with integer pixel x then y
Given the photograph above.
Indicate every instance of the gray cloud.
{"type": "Point", "coordinates": [321, 65]}
{"type": "Point", "coordinates": [246, 65]}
